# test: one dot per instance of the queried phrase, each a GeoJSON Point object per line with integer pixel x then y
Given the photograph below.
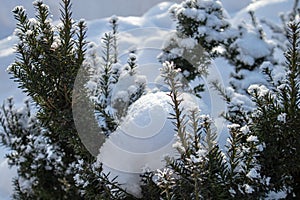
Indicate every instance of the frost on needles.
{"type": "Point", "coordinates": [261, 154]}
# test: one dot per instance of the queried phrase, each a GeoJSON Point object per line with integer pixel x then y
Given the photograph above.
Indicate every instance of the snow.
{"type": "Point", "coordinates": [233, 126]}
{"type": "Point", "coordinates": [6, 176]}
{"type": "Point", "coordinates": [245, 129]}
{"type": "Point", "coordinates": [251, 47]}
{"type": "Point", "coordinates": [264, 9]}
{"type": "Point", "coordinates": [260, 90]}
{"type": "Point", "coordinates": [252, 138]}
{"type": "Point", "coordinates": [276, 195]}
{"type": "Point", "coordinates": [282, 117]}
{"type": "Point", "coordinates": [253, 174]}
{"type": "Point", "coordinates": [248, 189]}
{"type": "Point", "coordinates": [144, 136]}
{"type": "Point", "coordinates": [145, 31]}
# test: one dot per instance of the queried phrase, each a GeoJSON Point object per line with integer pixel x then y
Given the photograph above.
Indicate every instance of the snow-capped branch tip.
{"type": "Point", "coordinates": [169, 70]}
{"type": "Point", "coordinates": [17, 9]}
{"type": "Point", "coordinates": [113, 19]}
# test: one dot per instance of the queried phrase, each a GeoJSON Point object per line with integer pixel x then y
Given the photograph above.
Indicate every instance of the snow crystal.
{"type": "Point", "coordinates": [26, 184]}
{"type": "Point", "coordinates": [253, 88]}
{"type": "Point", "coordinates": [215, 5]}
{"type": "Point", "coordinates": [113, 19]}
{"type": "Point", "coordinates": [37, 2]}
{"type": "Point", "coordinates": [232, 192]}
{"type": "Point", "coordinates": [245, 129]}
{"type": "Point", "coordinates": [176, 52]}
{"type": "Point", "coordinates": [132, 56]}
{"type": "Point", "coordinates": [56, 43]}
{"type": "Point", "coordinates": [266, 65]}
{"type": "Point", "coordinates": [195, 159]}
{"type": "Point", "coordinates": [201, 15]}
{"type": "Point", "coordinates": [282, 117]}
{"type": "Point", "coordinates": [276, 195]}
{"type": "Point", "coordinates": [162, 174]}
{"type": "Point", "coordinates": [132, 89]}
{"type": "Point", "coordinates": [78, 180]}
{"type": "Point", "coordinates": [202, 30]}
{"type": "Point", "coordinates": [178, 145]}
{"type": "Point", "coordinates": [201, 153]}
{"type": "Point", "coordinates": [116, 67]}
{"type": "Point", "coordinates": [252, 138]}
{"type": "Point", "coordinates": [17, 8]}
{"type": "Point", "coordinates": [252, 174]}
{"type": "Point", "coordinates": [233, 126]}
{"type": "Point", "coordinates": [248, 189]}
{"type": "Point", "coordinates": [32, 23]}
{"type": "Point", "coordinates": [260, 90]}
{"type": "Point", "coordinates": [28, 33]}
{"type": "Point", "coordinates": [9, 68]}
{"type": "Point", "coordinates": [260, 147]}
{"type": "Point", "coordinates": [240, 100]}
{"type": "Point", "coordinates": [245, 58]}
{"type": "Point", "coordinates": [282, 86]}
{"type": "Point", "coordinates": [263, 90]}
{"type": "Point", "coordinates": [278, 74]}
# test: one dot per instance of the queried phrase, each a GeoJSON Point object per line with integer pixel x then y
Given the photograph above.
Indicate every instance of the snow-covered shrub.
{"type": "Point", "coordinates": [42, 138]}
{"type": "Point", "coordinates": [247, 47]}
{"type": "Point", "coordinates": [275, 120]}
{"type": "Point", "coordinates": [32, 152]}
{"type": "Point", "coordinates": [201, 28]}
{"type": "Point", "coordinates": [203, 31]}
{"type": "Point", "coordinates": [142, 139]}
{"type": "Point", "coordinates": [203, 170]}
{"type": "Point", "coordinates": [279, 33]}
{"type": "Point", "coordinates": [112, 86]}
{"type": "Point", "coordinates": [272, 117]}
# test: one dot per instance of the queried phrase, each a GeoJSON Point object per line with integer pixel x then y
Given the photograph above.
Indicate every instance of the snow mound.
{"type": "Point", "coordinates": [142, 140]}
{"type": "Point", "coordinates": [233, 6]}
{"type": "Point", "coordinates": [264, 9]}
{"type": "Point", "coordinates": [251, 48]}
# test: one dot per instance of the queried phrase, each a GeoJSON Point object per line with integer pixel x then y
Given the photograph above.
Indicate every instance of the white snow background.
{"type": "Point", "coordinates": [136, 15]}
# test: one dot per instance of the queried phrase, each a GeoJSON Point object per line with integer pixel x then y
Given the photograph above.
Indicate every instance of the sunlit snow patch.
{"type": "Point", "coordinates": [143, 139]}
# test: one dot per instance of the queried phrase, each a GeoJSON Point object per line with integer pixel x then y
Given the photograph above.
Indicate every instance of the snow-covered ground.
{"type": "Point", "coordinates": [140, 28]}
{"type": "Point", "coordinates": [93, 9]}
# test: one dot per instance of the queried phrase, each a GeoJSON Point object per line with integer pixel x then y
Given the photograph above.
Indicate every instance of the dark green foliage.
{"type": "Point", "coordinates": [203, 171]}
{"type": "Point", "coordinates": [200, 171]}
{"type": "Point", "coordinates": [203, 31]}
{"type": "Point", "coordinates": [196, 38]}
{"type": "Point", "coordinates": [263, 149]}
{"type": "Point", "coordinates": [276, 122]}
{"type": "Point", "coordinates": [244, 176]}
{"type": "Point", "coordinates": [189, 25]}
{"type": "Point", "coordinates": [96, 185]}
{"type": "Point", "coordinates": [234, 50]}
{"type": "Point", "coordinates": [45, 145]}
{"type": "Point", "coordinates": [37, 159]}
{"type": "Point", "coordinates": [52, 57]}
{"type": "Point", "coordinates": [150, 191]}
{"type": "Point", "coordinates": [108, 77]}
{"type": "Point", "coordinates": [105, 74]}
